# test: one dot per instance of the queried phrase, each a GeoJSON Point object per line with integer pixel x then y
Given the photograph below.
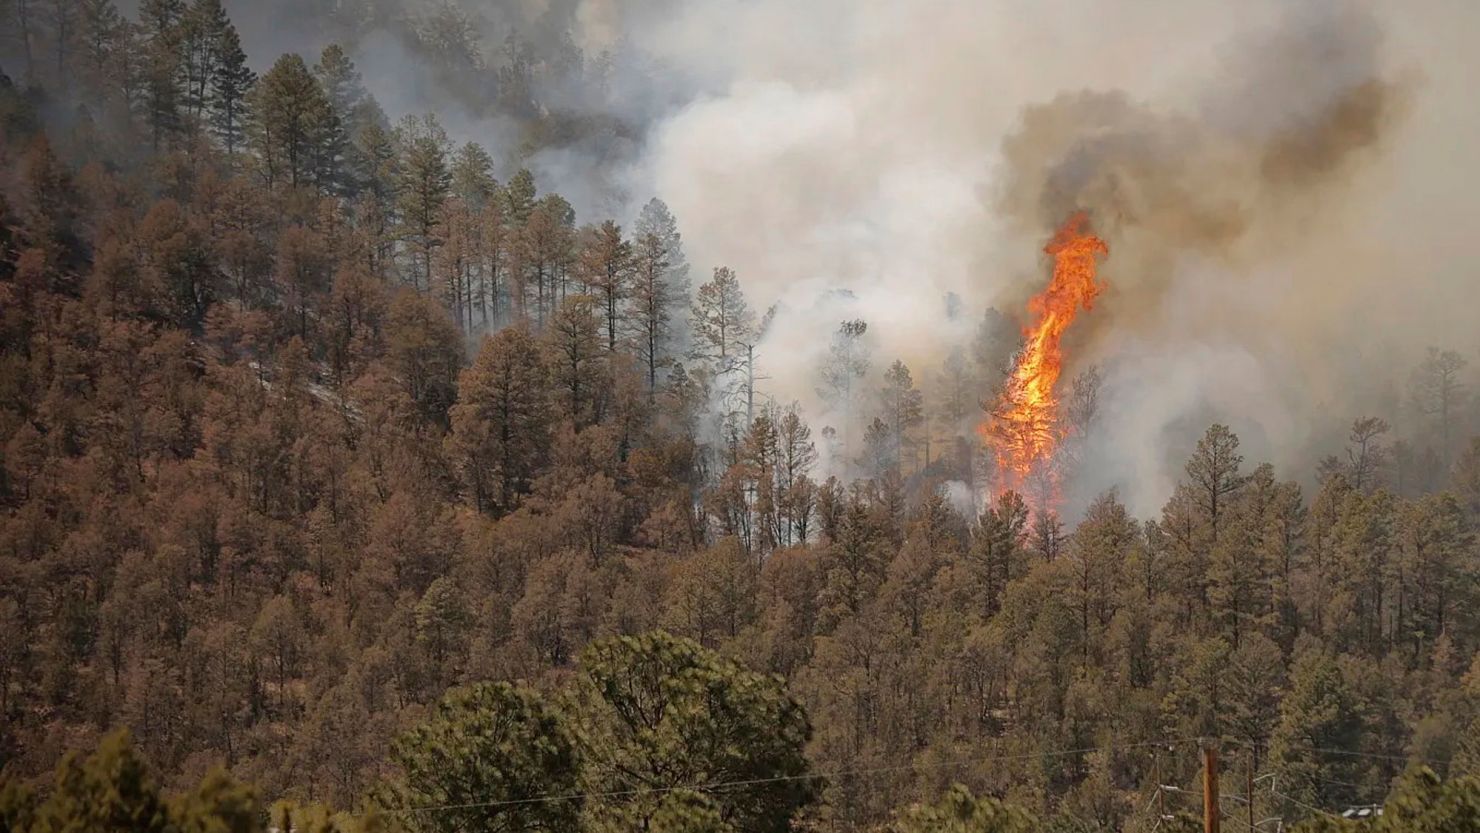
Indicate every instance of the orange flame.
{"type": "Point", "coordinates": [1023, 430]}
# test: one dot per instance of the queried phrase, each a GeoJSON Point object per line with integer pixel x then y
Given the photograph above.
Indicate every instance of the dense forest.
{"type": "Point", "coordinates": [351, 460]}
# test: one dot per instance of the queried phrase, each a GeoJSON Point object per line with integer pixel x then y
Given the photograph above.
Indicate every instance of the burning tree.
{"type": "Point", "coordinates": [1025, 429]}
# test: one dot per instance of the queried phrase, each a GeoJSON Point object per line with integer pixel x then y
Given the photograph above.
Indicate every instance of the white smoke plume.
{"type": "Point", "coordinates": [1285, 185]}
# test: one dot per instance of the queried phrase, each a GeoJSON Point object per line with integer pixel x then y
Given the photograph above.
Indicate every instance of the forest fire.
{"type": "Point", "coordinates": [1023, 429]}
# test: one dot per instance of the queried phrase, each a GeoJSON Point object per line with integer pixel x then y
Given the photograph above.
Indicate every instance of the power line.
{"type": "Point", "coordinates": [1334, 782]}
{"type": "Point", "coordinates": [1349, 752]}
{"type": "Point", "coordinates": [1374, 755]}
{"type": "Point", "coordinates": [750, 782]}
{"type": "Point", "coordinates": [1298, 803]}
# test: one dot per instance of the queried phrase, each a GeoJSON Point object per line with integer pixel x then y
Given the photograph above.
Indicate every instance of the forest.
{"type": "Point", "coordinates": [352, 482]}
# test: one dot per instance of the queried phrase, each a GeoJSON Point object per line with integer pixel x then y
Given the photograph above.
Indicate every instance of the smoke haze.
{"type": "Point", "coordinates": [1285, 187]}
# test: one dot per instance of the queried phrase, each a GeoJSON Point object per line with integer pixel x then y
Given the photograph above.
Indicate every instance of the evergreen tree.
{"type": "Point", "coordinates": [485, 752]}
{"type": "Point", "coordinates": [901, 407]}
{"type": "Point", "coordinates": [577, 360]}
{"type": "Point", "coordinates": [163, 66]}
{"type": "Point", "coordinates": [658, 713]}
{"type": "Point", "coordinates": [996, 547]}
{"type": "Point", "coordinates": [795, 458]}
{"type": "Point", "coordinates": [348, 100]}
{"type": "Point", "coordinates": [1096, 558]}
{"type": "Point", "coordinates": [231, 85]}
{"type": "Point", "coordinates": [442, 622]}
{"type": "Point", "coordinates": [290, 115]}
{"type": "Point", "coordinates": [961, 812]}
{"type": "Point", "coordinates": [203, 31]}
{"type": "Point", "coordinates": [373, 157]}
{"type": "Point", "coordinates": [655, 219]}
{"type": "Point", "coordinates": [423, 185]}
{"type": "Point", "coordinates": [955, 398]}
{"type": "Point", "coordinates": [519, 197]}
{"type": "Point", "coordinates": [425, 348]}
{"type": "Point", "coordinates": [497, 248]}
{"type": "Point", "coordinates": [100, 29]}
{"type": "Point", "coordinates": [659, 284]}
{"type": "Point", "coordinates": [1240, 575]}
{"type": "Point", "coordinates": [606, 262]}
{"type": "Point", "coordinates": [1438, 392]}
{"type": "Point", "coordinates": [545, 250]}
{"type": "Point", "coordinates": [501, 423]}
{"type": "Point", "coordinates": [63, 19]}
{"type": "Point", "coordinates": [472, 176]}
{"type": "Point", "coordinates": [721, 321]}
{"type": "Point", "coordinates": [1214, 470]}
{"type": "Point", "coordinates": [846, 364]}
{"type": "Point", "coordinates": [1314, 744]}
{"type": "Point", "coordinates": [112, 789]}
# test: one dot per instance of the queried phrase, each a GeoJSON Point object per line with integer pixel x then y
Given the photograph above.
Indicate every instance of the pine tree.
{"type": "Point", "coordinates": [880, 454]}
{"type": "Point", "coordinates": [441, 625]}
{"type": "Point", "coordinates": [52, 201]}
{"type": "Point", "coordinates": [901, 407]}
{"type": "Point", "coordinates": [1367, 456]}
{"type": "Point", "coordinates": [719, 723]}
{"type": "Point", "coordinates": [961, 812]}
{"type": "Point", "coordinates": [99, 30]}
{"type": "Point", "coordinates": [63, 19]}
{"type": "Point", "coordinates": [1436, 576]}
{"type": "Point", "coordinates": [1100, 547]}
{"type": "Point", "coordinates": [545, 251]}
{"type": "Point", "coordinates": [795, 457]}
{"type": "Point", "coordinates": [655, 219]}
{"type": "Point", "coordinates": [472, 176]}
{"type": "Point", "coordinates": [424, 183]}
{"type": "Point", "coordinates": [341, 82]}
{"type": "Point", "coordinates": [1214, 470]}
{"type": "Point", "coordinates": [519, 197]}
{"type": "Point", "coordinates": [576, 359]}
{"type": "Point", "coordinates": [290, 113]}
{"type": "Point", "coordinates": [1319, 730]}
{"type": "Point", "coordinates": [231, 86]}
{"type": "Point", "coordinates": [203, 34]}
{"type": "Point", "coordinates": [1437, 391]}
{"type": "Point", "coordinates": [659, 283]}
{"type": "Point", "coordinates": [163, 66]}
{"type": "Point", "coordinates": [1240, 575]}
{"type": "Point", "coordinates": [426, 351]}
{"type": "Point", "coordinates": [1361, 569]}
{"type": "Point", "coordinates": [348, 99]}
{"type": "Point", "coordinates": [756, 469]}
{"type": "Point", "coordinates": [372, 157]}
{"type": "Point", "coordinates": [458, 257]}
{"type": "Point", "coordinates": [955, 395]}
{"type": "Point", "coordinates": [501, 423]}
{"type": "Point", "coordinates": [997, 546]}
{"type": "Point", "coordinates": [846, 364]}
{"type": "Point", "coordinates": [605, 263]}
{"type": "Point", "coordinates": [487, 749]}
{"type": "Point", "coordinates": [497, 249]}
{"type": "Point", "coordinates": [721, 321]}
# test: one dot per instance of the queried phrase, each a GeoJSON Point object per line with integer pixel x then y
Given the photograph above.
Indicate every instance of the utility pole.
{"type": "Point", "coordinates": [1210, 789]}
{"type": "Point", "coordinates": [1161, 793]}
